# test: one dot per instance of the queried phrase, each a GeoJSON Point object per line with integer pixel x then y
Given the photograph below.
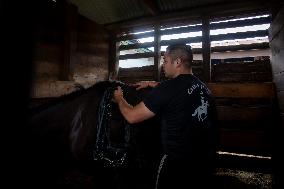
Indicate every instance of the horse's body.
{"type": "Point", "coordinates": [64, 136]}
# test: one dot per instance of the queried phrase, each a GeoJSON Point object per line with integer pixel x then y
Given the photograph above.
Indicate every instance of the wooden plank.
{"type": "Point", "coordinates": [151, 67]}
{"type": "Point", "coordinates": [244, 114]}
{"type": "Point", "coordinates": [239, 35]}
{"type": "Point", "coordinates": [135, 36]}
{"type": "Point", "coordinates": [137, 71]}
{"type": "Point", "coordinates": [240, 23]}
{"type": "Point", "coordinates": [242, 90]}
{"type": "Point", "coordinates": [181, 40]}
{"type": "Point", "coordinates": [47, 52]}
{"type": "Point", "coordinates": [136, 56]}
{"type": "Point", "coordinates": [243, 77]}
{"type": "Point", "coordinates": [136, 79]}
{"type": "Point", "coordinates": [240, 67]}
{"type": "Point", "coordinates": [194, 51]}
{"type": "Point", "coordinates": [162, 43]}
{"type": "Point", "coordinates": [136, 46]}
{"type": "Point", "coordinates": [86, 37]}
{"type": "Point", "coordinates": [182, 30]}
{"type": "Point", "coordinates": [245, 125]}
{"type": "Point", "coordinates": [247, 102]}
{"type": "Point", "coordinates": [136, 74]}
{"type": "Point", "coordinates": [99, 49]}
{"type": "Point", "coordinates": [240, 47]}
{"type": "Point", "coordinates": [244, 139]}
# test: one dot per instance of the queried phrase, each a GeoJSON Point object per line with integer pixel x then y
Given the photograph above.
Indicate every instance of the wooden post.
{"type": "Point", "coordinates": [113, 56]}
{"type": "Point", "coordinates": [70, 41]}
{"type": "Point", "coordinates": [206, 52]}
{"type": "Point", "coordinates": [157, 51]}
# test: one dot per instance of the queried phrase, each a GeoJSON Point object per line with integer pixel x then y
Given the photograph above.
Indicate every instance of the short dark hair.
{"type": "Point", "coordinates": [181, 51]}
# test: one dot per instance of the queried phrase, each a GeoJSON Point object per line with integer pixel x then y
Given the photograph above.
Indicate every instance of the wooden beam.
{"type": "Point", "coordinates": [206, 45]}
{"type": "Point", "coordinates": [113, 64]}
{"type": "Point", "coordinates": [151, 6]}
{"type": "Point", "coordinates": [194, 50]}
{"type": "Point", "coordinates": [157, 51]}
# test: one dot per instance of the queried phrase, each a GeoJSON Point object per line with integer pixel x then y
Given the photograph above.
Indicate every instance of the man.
{"type": "Point", "coordinates": [187, 112]}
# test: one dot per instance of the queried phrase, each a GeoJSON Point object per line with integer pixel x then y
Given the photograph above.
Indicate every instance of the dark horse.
{"type": "Point", "coordinates": [66, 136]}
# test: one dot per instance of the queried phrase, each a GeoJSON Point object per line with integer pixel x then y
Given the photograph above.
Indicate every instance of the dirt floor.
{"type": "Point", "coordinates": [242, 179]}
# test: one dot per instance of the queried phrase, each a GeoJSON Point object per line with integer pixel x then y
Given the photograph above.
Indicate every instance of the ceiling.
{"type": "Point", "coordinates": [107, 12]}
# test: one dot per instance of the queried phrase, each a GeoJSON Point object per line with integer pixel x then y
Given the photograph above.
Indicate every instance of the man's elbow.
{"type": "Point", "coordinates": [131, 120]}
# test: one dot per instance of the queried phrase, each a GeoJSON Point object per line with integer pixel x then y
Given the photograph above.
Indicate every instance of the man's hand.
{"type": "Point", "coordinates": [144, 84]}
{"type": "Point", "coordinates": [117, 95]}
{"type": "Point", "coordinates": [132, 114]}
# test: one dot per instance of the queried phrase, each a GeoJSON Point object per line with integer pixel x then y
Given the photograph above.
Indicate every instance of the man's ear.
{"type": "Point", "coordinates": [178, 62]}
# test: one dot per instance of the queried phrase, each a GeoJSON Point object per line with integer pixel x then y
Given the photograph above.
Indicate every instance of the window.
{"type": "Point", "coordinates": [136, 49]}
{"type": "Point", "coordinates": [242, 38]}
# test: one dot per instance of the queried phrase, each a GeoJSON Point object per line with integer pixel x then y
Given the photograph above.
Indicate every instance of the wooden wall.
{"type": "Point", "coordinates": [92, 53]}
{"type": "Point", "coordinates": [246, 117]}
{"type": "Point", "coordinates": [132, 75]}
{"type": "Point", "coordinates": [276, 37]}
{"type": "Point", "coordinates": [71, 51]}
{"type": "Point", "coordinates": [257, 71]}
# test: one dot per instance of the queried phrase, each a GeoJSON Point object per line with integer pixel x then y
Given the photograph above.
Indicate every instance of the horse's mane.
{"type": "Point", "coordinates": [99, 86]}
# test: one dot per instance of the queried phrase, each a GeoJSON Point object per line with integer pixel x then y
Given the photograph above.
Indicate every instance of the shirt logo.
{"type": "Point", "coordinates": [197, 86]}
{"type": "Point", "coordinates": [201, 111]}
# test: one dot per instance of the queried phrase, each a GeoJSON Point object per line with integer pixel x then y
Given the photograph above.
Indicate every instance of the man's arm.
{"type": "Point", "coordinates": [132, 114]}
{"type": "Point", "coordinates": [145, 84]}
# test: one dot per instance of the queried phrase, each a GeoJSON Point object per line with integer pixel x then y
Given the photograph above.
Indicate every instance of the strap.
{"type": "Point", "coordinates": [104, 151]}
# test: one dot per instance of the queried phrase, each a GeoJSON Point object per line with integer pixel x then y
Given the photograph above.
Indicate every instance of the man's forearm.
{"type": "Point", "coordinates": [153, 83]}
{"type": "Point", "coordinates": [125, 109]}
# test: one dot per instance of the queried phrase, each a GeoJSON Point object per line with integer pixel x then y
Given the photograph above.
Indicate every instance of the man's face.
{"type": "Point", "coordinates": [168, 66]}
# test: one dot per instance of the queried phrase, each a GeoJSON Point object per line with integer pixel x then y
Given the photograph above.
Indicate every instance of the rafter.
{"type": "Point", "coordinates": [151, 6]}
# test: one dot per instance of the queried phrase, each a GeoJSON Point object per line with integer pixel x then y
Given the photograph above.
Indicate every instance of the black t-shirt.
{"type": "Point", "coordinates": [186, 107]}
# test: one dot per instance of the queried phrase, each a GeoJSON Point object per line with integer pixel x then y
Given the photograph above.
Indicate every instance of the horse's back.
{"type": "Point", "coordinates": [65, 133]}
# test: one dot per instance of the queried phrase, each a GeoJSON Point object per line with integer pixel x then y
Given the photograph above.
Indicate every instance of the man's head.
{"type": "Point", "coordinates": [177, 60]}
